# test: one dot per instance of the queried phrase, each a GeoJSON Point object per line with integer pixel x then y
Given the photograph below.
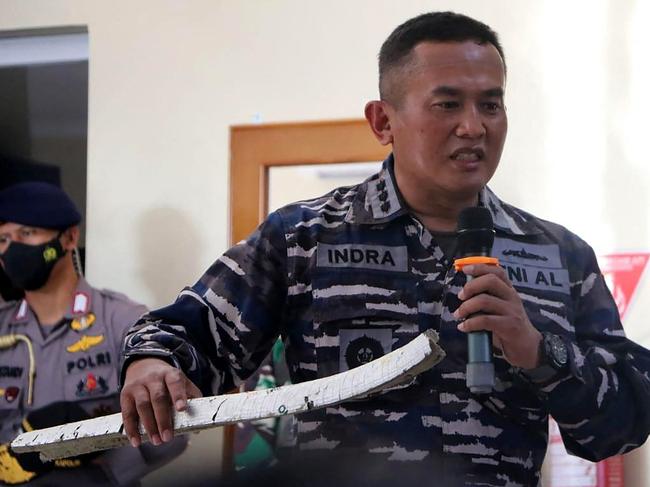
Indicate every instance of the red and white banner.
{"type": "Point", "coordinates": [622, 273]}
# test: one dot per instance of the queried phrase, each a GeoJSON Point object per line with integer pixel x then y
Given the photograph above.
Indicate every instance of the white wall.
{"type": "Point", "coordinates": [168, 77]}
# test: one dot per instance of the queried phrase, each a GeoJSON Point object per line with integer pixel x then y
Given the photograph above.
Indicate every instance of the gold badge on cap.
{"type": "Point", "coordinates": [83, 322]}
{"type": "Point", "coordinates": [85, 343]}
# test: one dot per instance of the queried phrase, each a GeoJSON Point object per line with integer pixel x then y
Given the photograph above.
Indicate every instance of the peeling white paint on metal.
{"type": "Point", "coordinates": [395, 368]}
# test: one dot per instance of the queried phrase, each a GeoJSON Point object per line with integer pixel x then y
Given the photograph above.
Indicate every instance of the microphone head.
{"type": "Point", "coordinates": [475, 231]}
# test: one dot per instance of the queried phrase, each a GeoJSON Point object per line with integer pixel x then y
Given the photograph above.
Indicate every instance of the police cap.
{"type": "Point", "coordinates": [38, 204]}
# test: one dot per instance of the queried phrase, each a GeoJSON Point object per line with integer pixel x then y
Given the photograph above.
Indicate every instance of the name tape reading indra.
{"type": "Point", "coordinates": [377, 257]}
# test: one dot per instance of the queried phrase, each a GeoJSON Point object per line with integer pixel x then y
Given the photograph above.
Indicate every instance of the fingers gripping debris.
{"type": "Point", "coordinates": [393, 369]}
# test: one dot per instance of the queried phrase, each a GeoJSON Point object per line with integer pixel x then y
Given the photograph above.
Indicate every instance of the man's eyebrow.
{"type": "Point", "coordinates": [445, 90]}
{"type": "Point", "coordinates": [451, 91]}
{"type": "Point", "coordinates": [494, 93]}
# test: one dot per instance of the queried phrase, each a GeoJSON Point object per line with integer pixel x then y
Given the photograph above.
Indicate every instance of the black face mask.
{"type": "Point", "coordinates": [29, 266]}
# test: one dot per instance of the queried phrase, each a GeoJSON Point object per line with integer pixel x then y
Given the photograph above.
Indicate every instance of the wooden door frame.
{"type": "Point", "coordinates": [255, 148]}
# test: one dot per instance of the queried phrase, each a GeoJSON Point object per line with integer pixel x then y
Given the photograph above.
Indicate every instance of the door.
{"type": "Point", "coordinates": [256, 150]}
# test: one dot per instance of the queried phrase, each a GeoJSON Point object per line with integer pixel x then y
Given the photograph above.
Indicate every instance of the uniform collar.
{"type": "Point", "coordinates": [507, 218]}
{"type": "Point", "coordinates": [380, 201]}
{"type": "Point", "coordinates": [80, 304]}
{"type": "Point", "coordinates": [21, 312]}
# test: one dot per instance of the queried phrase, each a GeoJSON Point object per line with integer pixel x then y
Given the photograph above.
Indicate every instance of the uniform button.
{"type": "Point", "coordinates": [383, 196]}
{"type": "Point", "coordinates": [381, 185]}
{"type": "Point", "coordinates": [385, 206]}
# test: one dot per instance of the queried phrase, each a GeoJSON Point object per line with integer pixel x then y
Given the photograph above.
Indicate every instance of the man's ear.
{"type": "Point", "coordinates": [377, 116]}
{"type": "Point", "coordinates": [70, 238]}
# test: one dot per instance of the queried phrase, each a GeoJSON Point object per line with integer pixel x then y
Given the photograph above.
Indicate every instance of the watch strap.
{"type": "Point", "coordinates": [549, 367]}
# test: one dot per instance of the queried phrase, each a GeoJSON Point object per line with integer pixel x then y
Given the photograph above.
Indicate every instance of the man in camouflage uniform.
{"type": "Point", "coordinates": [262, 442]}
{"type": "Point", "coordinates": [60, 345]}
{"type": "Point", "coordinates": [362, 270]}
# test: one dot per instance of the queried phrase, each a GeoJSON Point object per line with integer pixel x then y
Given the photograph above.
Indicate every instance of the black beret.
{"type": "Point", "coordinates": [38, 204]}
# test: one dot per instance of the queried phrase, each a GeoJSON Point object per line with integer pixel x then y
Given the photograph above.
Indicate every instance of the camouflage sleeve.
{"type": "Point", "coordinates": [124, 314]}
{"type": "Point", "coordinates": [601, 406]}
{"type": "Point", "coordinates": [219, 330]}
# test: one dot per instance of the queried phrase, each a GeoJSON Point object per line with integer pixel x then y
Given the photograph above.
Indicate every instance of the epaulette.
{"type": "Point", "coordinates": [7, 308]}
{"type": "Point", "coordinates": [117, 296]}
{"type": "Point", "coordinates": [7, 304]}
{"type": "Point", "coordinates": [114, 294]}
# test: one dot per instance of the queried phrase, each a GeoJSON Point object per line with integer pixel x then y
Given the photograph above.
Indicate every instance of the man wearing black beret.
{"type": "Point", "coordinates": [59, 346]}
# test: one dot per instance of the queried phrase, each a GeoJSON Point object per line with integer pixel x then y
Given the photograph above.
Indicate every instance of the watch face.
{"type": "Point", "coordinates": [557, 350]}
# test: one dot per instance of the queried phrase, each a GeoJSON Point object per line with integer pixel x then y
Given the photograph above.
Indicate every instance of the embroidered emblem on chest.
{"type": "Point", "coordinates": [83, 323]}
{"type": "Point", "coordinates": [360, 346]}
{"type": "Point", "coordinates": [85, 343]}
{"type": "Point", "coordinates": [91, 385]}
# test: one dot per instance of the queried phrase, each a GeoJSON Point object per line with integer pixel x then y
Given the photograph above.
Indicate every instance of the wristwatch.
{"type": "Point", "coordinates": [554, 359]}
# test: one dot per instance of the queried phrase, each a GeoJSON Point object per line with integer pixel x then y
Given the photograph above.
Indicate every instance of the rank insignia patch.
{"type": "Point", "coordinates": [80, 303]}
{"type": "Point", "coordinates": [83, 323]}
{"type": "Point", "coordinates": [91, 385]}
{"type": "Point", "coordinates": [85, 343]}
{"type": "Point", "coordinates": [21, 313]}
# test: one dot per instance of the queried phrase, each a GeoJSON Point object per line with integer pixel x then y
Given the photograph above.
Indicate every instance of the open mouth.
{"type": "Point", "coordinates": [468, 155]}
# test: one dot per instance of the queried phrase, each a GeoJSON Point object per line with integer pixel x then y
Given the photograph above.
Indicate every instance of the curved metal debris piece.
{"type": "Point", "coordinates": [396, 368]}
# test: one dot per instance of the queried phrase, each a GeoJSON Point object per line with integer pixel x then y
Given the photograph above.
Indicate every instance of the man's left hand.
{"type": "Point", "coordinates": [491, 303]}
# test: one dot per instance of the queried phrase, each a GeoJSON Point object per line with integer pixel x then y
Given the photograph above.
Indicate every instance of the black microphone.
{"type": "Point", "coordinates": [475, 235]}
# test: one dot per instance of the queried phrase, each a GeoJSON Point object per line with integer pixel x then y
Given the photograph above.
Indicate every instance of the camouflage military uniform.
{"type": "Point", "coordinates": [352, 275]}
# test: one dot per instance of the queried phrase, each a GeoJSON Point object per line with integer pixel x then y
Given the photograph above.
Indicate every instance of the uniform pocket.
{"type": "Point", "coordinates": [359, 317]}
{"type": "Point", "coordinates": [541, 278]}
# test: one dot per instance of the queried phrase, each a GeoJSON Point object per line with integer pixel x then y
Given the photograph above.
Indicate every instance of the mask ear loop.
{"type": "Point", "coordinates": [76, 262]}
{"type": "Point", "coordinates": [76, 258]}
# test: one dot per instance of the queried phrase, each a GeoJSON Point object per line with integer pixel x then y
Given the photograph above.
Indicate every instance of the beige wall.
{"type": "Point", "coordinates": [167, 79]}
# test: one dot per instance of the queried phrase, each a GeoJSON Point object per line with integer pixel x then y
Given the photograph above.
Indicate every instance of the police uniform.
{"type": "Point", "coordinates": [75, 362]}
{"type": "Point", "coordinates": [352, 275]}
{"type": "Point", "coordinates": [70, 369]}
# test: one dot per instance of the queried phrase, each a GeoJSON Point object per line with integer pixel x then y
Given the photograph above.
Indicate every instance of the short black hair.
{"type": "Point", "coordinates": [435, 27]}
